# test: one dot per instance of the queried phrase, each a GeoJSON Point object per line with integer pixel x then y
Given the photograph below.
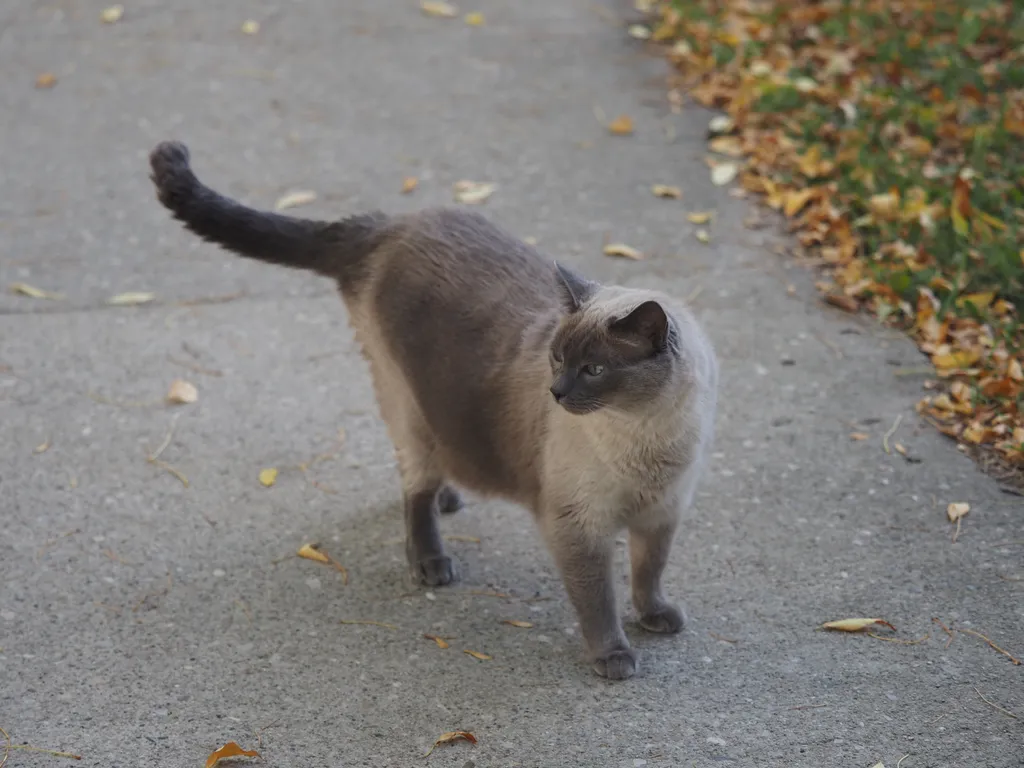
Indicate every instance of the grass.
{"type": "Point", "coordinates": [891, 134]}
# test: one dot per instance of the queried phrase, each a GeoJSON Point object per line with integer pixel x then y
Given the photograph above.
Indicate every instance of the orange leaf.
{"type": "Point", "coordinates": [450, 738]}
{"type": "Point", "coordinates": [520, 624]}
{"type": "Point", "coordinates": [441, 642]}
{"type": "Point", "coordinates": [855, 625]}
{"type": "Point", "coordinates": [478, 655]}
{"type": "Point", "coordinates": [621, 125]}
{"type": "Point", "coordinates": [310, 552]}
{"type": "Point", "coordinates": [228, 751]}
{"type": "Point", "coordinates": [409, 184]}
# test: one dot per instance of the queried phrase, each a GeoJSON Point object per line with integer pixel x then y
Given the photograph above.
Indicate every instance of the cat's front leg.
{"type": "Point", "coordinates": [585, 562]}
{"type": "Point", "coordinates": [649, 547]}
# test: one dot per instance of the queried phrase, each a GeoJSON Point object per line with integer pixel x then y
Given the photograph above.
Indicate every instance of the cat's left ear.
{"type": "Point", "coordinates": [575, 288]}
{"type": "Point", "coordinates": [648, 321]}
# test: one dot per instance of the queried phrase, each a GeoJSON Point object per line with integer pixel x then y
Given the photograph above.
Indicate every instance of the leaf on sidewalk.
{"type": "Point", "coordinates": [182, 392]}
{"type": "Point", "coordinates": [450, 738]}
{"type": "Point", "coordinates": [441, 642]}
{"type": "Point", "coordinates": [35, 293]}
{"type": "Point", "coordinates": [227, 752]}
{"type": "Point", "coordinates": [520, 624]}
{"type": "Point", "coordinates": [131, 298]}
{"type": "Point", "coordinates": [667, 191]}
{"type": "Point", "coordinates": [855, 625]}
{"type": "Point", "coordinates": [310, 552]}
{"type": "Point", "coordinates": [268, 477]}
{"type": "Point", "coordinates": [623, 251]}
{"type": "Point", "coordinates": [621, 126]}
{"type": "Point", "coordinates": [439, 9]}
{"type": "Point", "coordinates": [473, 192]}
{"type": "Point", "coordinates": [478, 655]}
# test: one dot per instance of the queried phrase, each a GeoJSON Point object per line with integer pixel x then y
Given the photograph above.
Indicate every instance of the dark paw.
{"type": "Point", "coordinates": [436, 571]}
{"type": "Point", "coordinates": [449, 501]}
{"type": "Point", "coordinates": [619, 664]}
{"type": "Point", "coordinates": [666, 620]}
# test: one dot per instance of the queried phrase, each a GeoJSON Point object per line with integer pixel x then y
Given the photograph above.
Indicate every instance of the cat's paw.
{"type": "Point", "coordinates": [436, 571]}
{"type": "Point", "coordinates": [665, 619]}
{"type": "Point", "coordinates": [449, 501]}
{"type": "Point", "coordinates": [618, 664]}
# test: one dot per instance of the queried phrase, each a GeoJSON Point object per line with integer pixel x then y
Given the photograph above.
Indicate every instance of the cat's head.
{"type": "Point", "coordinates": [614, 348]}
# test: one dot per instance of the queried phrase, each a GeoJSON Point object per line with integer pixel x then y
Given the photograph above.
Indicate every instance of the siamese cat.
{"type": "Point", "coordinates": [504, 373]}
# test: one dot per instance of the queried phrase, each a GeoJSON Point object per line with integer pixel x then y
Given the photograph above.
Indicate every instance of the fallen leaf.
{"type": "Point", "coordinates": [639, 32]}
{"type": "Point", "coordinates": [858, 436]}
{"type": "Point", "coordinates": [439, 9]}
{"type": "Point", "coordinates": [622, 250]}
{"type": "Point", "coordinates": [474, 19]}
{"type": "Point", "coordinates": [441, 642]}
{"type": "Point", "coordinates": [268, 477]}
{"type": "Point", "coordinates": [228, 751]}
{"type": "Point", "coordinates": [473, 192]}
{"type": "Point", "coordinates": [724, 173]}
{"type": "Point", "coordinates": [721, 124]}
{"type": "Point", "coordinates": [294, 199]}
{"type": "Point", "coordinates": [450, 738]}
{"type": "Point", "coordinates": [308, 551]}
{"type": "Point", "coordinates": [409, 184]}
{"type": "Point", "coordinates": [842, 301]}
{"type": "Point", "coordinates": [796, 200]}
{"type": "Point", "coordinates": [46, 80]}
{"type": "Point", "coordinates": [855, 625]}
{"type": "Point", "coordinates": [621, 126]}
{"type": "Point", "coordinates": [42, 447]}
{"type": "Point", "coordinates": [182, 392]}
{"type": "Point", "coordinates": [112, 14]}
{"type": "Point", "coordinates": [700, 217]}
{"type": "Point", "coordinates": [703, 235]}
{"type": "Point", "coordinates": [520, 624]}
{"type": "Point", "coordinates": [36, 293]}
{"type": "Point", "coordinates": [900, 449]}
{"type": "Point", "coordinates": [478, 655]}
{"type": "Point", "coordinates": [664, 190]}
{"type": "Point", "coordinates": [250, 27]}
{"type": "Point", "coordinates": [956, 510]}
{"type": "Point", "coordinates": [131, 298]}
{"type": "Point", "coordinates": [726, 145]}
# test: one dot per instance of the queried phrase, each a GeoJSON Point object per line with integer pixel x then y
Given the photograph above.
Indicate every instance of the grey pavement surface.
{"type": "Point", "coordinates": [146, 623]}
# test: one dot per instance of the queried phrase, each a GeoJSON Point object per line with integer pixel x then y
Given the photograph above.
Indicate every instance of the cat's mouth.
{"type": "Point", "coordinates": [580, 408]}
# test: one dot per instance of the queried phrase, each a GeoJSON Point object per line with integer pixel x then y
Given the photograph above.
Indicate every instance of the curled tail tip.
{"type": "Point", "coordinates": [171, 173]}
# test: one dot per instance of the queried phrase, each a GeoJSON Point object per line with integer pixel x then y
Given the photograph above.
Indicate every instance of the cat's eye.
{"type": "Point", "coordinates": [593, 369]}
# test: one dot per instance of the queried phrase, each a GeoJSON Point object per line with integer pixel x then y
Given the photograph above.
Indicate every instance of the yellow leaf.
{"type": "Point", "coordinates": [855, 625]}
{"type": "Point", "coordinates": [664, 190]}
{"type": "Point", "coordinates": [112, 14]}
{"type": "Point", "coordinates": [439, 9]}
{"type": "Point", "coordinates": [520, 624]}
{"type": "Point", "coordinates": [622, 250]}
{"type": "Point", "coordinates": [131, 298]}
{"type": "Point", "coordinates": [268, 477]}
{"type": "Point", "coordinates": [36, 293]}
{"type": "Point", "coordinates": [621, 126]}
{"type": "Point", "coordinates": [46, 80]}
{"type": "Point", "coordinates": [308, 551]}
{"type": "Point", "coordinates": [295, 199]}
{"type": "Point", "coordinates": [409, 184]}
{"type": "Point", "coordinates": [700, 217]}
{"type": "Point", "coordinates": [724, 174]}
{"type": "Point", "coordinates": [474, 19]}
{"type": "Point", "coordinates": [441, 642]}
{"type": "Point", "coordinates": [796, 200]}
{"type": "Point", "coordinates": [473, 192]}
{"type": "Point", "coordinates": [250, 27]}
{"type": "Point", "coordinates": [228, 751]}
{"type": "Point", "coordinates": [956, 510]}
{"type": "Point", "coordinates": [451, 738]}
{"type": "Point", "coordinates": [703, 235]}
{"type": "Point", "coordinates": [979, 300]}
{"type": "Point", "coordinates": [963, 358]}
{"type": "Point", "coordinates": [885, 206]}
{"type": "Point", "coordinates": [478, 655]}
{"type": "Point", "coordinates": [182, 392]}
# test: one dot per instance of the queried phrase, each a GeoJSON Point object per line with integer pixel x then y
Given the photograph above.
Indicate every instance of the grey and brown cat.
{"type": "Point", "coordinates": [506, 374]}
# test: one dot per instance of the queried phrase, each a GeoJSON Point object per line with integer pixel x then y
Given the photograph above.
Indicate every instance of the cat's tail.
{"type": "Point", "coordinates": [335, 249]}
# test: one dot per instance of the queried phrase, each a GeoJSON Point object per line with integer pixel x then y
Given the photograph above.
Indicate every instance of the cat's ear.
{"type": "Point", "coordinates": [649, 321]}
{"type": "Point", "coordinates": [575, 288]}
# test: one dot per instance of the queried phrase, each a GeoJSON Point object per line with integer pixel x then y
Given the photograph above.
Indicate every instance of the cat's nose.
{"type": "Point", "coordinates": [557, 393]}
{"type": "Point", "coordinates": [561, 388]}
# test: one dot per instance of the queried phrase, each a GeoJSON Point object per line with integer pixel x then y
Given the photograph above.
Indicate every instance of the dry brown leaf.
{"type": "Point", "coordinates": [703, 235]}
{"type": "Point", "coordinates": [294, 199]}
{"type": "Point", "coordinates": [478, 655]}
{"type": "Point", "coordinates": [227, 752]}
{"type": "Point", "coordinates": [409, 184]}
{"type": "Point", "coordinates": [441, 642]}
{"type": "Point", "coordinates": [439, 9]}
{"type": "Point", "coordinates": [112, 14]}
{"type": "Point", "coordinates": [859, 436]}
{"type": "Point", "coordinates": [473, 192]}
{"type": "Point", "coordinates": [182, 392]}
{"type": "Point", "coordinates": [842, 301]}
{"type": "Point", "coordinates": [726, 145]}
{"type": "Point", "coordinates": [621, 126]}
{"type": "Point", "coordinates": [700, 217]}
{"type": "Point", "coordinates": [132, 298]}
{"type": "Point", "coordinates": [268, 477]}
{"type": "Point", "coordinates": [724, 173]}
{"type": "Point", "coordinates": [46, 80]}
{"type": "Point", "coordinates": [855, 625]}
{"type": "Point", "coordinates": [665, 190]}
{"type": "Point", "coordinates": [796, 200]}
{"type": "Point", "coordinates": [450, 738]}
{"type": "Point", "coordinates": [520, 624]}
{"type": "Point", "coordinates": [956, 510]}
{"type": "Point", "coordinates": [35, 293]}
{"type": "Point", "coordinates": [474, 19]}
{"type": "Point", "coordinates": [308, 551]}
{"type": "Point", "coordinates": [250, 27]}
{"type": "Point", "coordinates": [623, 251]}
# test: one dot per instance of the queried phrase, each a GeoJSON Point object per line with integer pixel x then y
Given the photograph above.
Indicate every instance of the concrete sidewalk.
{"type": "Point", "coordinates": [146, 623]}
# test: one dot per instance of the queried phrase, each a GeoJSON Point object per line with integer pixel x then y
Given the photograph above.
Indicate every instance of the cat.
{"type": "Point", "coordinates": [504, 373]}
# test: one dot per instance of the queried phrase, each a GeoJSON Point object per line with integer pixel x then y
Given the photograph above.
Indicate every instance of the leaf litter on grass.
{"type": "Point", "coordinates": [897, 161]}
